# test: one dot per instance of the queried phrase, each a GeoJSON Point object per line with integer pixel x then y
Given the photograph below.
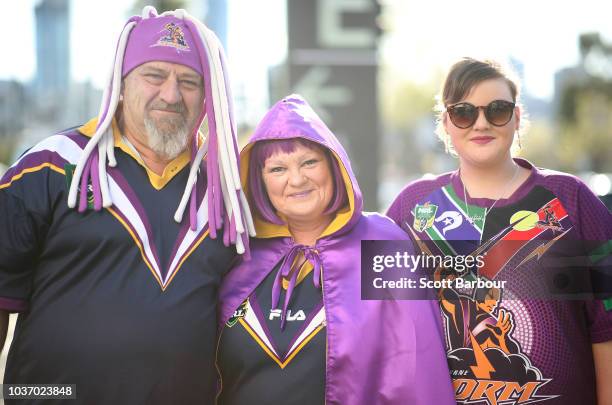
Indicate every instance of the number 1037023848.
{"type": "Point", "coordinates": [38, 391]}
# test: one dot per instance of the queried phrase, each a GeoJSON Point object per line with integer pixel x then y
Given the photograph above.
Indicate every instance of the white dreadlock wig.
{"type": "Point", "coordinates": [225, 199]}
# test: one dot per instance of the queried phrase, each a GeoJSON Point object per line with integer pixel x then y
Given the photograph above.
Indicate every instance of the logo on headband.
{"type": "Point", "coordinates": [174, 37]}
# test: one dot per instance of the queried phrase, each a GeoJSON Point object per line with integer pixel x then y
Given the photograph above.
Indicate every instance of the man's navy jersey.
{"type": "Point", "coordinates": [261, 363]}
{"type": "Point", "coordinates": [120, 302]}
{"type": "Point", "coordinates": [503, 348]}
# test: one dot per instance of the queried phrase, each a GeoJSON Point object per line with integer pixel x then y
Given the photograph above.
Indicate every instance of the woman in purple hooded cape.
{"type": "Point", "coordinates": [318, 341]}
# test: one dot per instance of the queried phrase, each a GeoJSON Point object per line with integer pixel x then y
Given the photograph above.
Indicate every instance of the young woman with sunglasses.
{"type": "Point", "coordinates": [503, 346]}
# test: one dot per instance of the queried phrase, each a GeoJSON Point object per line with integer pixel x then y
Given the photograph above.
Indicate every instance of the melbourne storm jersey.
{"type": "Point", "coordinates": [255, 353]}
{"type": "Point", "coordinates": [503, 348]}
{"type": "Point", "coordinates": [120, 302]}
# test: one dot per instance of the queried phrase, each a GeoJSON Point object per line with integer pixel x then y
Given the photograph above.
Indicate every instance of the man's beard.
{"type": "Point", "coordinates": [167, 137]}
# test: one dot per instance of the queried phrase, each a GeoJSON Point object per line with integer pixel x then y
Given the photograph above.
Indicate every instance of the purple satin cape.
{"type": "Point", "coordinates": [378, 352]}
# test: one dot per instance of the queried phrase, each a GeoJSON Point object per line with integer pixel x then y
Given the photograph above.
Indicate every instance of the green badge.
{"type": "Point", "coordinates": [424, 216]}
{"type": "Point", "coordinates": [69, 169]}
{"type": "Point", "coordinates": [608, 304]}
{"type": "Point", "coordinates": [239, 313]}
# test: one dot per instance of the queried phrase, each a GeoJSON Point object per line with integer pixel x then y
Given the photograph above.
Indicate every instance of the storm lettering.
{"type": "Point", "coordinates": [468, 390]}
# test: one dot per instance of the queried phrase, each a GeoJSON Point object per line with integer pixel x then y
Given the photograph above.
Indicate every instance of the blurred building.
{"type": "Point", "coordinates": [52, 47]}
{"type": "Point", "coordinates": [568, 77]}
{"type": "Point", "coordinates": [583, 107]}
{"type": "Point", "coordinates": [51, 102]}
{"type": "Point", "coordinates": [12, 107]}
{"type": "Point", "coordinates": [58, 102]}
{"type": "Point", "coordinates": [217, 18]}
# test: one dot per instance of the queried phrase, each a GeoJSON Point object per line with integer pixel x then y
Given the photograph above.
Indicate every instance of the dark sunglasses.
{"type": "Point", "coordinates": [497, 112]}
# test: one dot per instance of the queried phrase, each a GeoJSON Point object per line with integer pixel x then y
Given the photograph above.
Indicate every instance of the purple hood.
{"type": "Point", "coordinates": [378, 352]}
{"type": "Point", "coordinates": [292, 117]}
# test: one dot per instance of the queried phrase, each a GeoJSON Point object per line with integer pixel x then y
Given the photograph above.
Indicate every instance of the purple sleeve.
{"type": "Point", "coordinates": [594, 223]}
{"type": "Point", "coordinates": [593, 216]}
{"type": "Point", "coordinates": [599, 316]}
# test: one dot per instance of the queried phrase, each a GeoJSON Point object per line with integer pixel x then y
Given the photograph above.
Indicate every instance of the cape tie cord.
{"type": "Point", "coordinates": [226, 203]}
{"type": "Point", "coordinates": [284, 272]}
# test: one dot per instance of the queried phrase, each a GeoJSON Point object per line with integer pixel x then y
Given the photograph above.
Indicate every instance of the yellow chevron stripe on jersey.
{"type": "Point", "coordinates": [32, 170]}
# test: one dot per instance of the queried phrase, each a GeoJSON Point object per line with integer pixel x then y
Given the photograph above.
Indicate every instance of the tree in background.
{"type": "Point", "coordinates": [585, 110]}
{"type": "Point", "coordinates": [408, 118]}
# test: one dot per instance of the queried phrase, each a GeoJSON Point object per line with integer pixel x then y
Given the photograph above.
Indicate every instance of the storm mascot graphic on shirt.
{"type": "Point", "coordinates": [486, 359]}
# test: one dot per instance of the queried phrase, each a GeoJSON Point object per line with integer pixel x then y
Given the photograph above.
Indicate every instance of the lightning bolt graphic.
{"type": "Point", "coordinates": [483, 367]}
{"type": "Point", "coordinates": [540, 250]}
{"type": "Point", "coordinates": [495, 238]}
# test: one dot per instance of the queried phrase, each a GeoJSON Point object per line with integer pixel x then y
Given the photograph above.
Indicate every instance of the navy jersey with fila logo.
{"type": "Point", "coordinates": [255, 354]}
{"type": "Point", "coordinates": [120, 302]}
{"type": "Point", "coordinates": [502, 347]}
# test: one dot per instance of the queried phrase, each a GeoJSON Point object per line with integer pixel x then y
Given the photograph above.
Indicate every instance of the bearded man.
{"type": "Point", "coordinates": [115, 290]}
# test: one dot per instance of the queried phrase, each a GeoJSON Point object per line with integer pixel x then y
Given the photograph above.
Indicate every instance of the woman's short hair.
{"type": "Point", "coordinates": [461, 79]}
{"type": "Point", "coordinates": [258, 195]}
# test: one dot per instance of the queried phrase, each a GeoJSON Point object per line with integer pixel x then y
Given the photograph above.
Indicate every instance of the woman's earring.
{"type": "Point", "coordinates": [518, 135]}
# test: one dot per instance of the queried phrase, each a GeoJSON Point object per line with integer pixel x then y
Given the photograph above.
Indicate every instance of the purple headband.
{"type": "Point", "coordinates": [163, 38]}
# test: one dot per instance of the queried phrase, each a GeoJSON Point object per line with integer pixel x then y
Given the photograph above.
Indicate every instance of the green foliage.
{"type": "Point", "coordinates": [580, 144]}
{"type": "Point", "coordinates": [590, 87]}
{"type": "Point", "coordinates": [590, 134]}
{"type": "Point", "coordinates": [7, 148]}
{"type": "Point", "coordinates": [405, 103]}
{"type": "Point", "coordinates": [585, 112]}
{"type": "Point", "coordinates": [404, 106]}
{"type": "Point", "coordinates": [536, 145]}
